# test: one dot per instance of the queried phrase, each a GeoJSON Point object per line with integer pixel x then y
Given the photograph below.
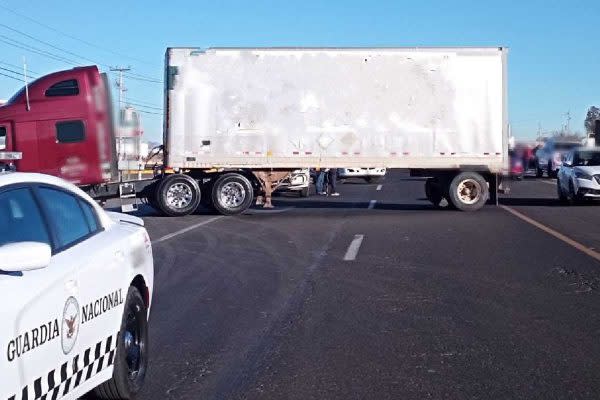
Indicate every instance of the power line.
{"type": "Point", "coordinates": [11, 77]}
{"type": "Point", "coordinates": [149, 112]}
{"type": "Point", "coordinates": [144, 102]}
{"type": "Point", "coordinates": [141, 105]}
{"type": "Point", "coordinates": [32, 49]}
{"type": "Point", "coordinates": [46, 43]}
{"type": "Point", "coordinates": [71, 36]}
{"type": "Point", "coordinates": [132, 75]}
{"type": "Point", "coordinates": [17, 72]}
{"type": "Point", "coordinates": [18, 67]}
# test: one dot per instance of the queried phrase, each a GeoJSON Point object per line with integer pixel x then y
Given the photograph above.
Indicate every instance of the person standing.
{"type": "Point", "coordinates": [332, 175]}
{"type": "Point", "coordinates": [320, 182]}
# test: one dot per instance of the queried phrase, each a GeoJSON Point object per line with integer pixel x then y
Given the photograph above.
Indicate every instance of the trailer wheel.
{"type": "Point", "coordinates": [232, 194]}
{"type": "Point", "coordinates": [178, 195]}
{"type": "Point", "coordinates": [468, 191]}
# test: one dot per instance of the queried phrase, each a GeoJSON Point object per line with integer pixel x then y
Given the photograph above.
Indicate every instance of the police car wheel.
{"type": "Point", "coordinates": [131, 359]}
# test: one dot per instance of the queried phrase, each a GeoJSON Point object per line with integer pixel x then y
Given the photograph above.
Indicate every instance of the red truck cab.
{"type": "Point", "coordinates": [65, 129]}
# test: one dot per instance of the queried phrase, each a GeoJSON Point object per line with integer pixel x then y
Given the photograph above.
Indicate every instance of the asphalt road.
{"type": "Point", "coordinates": [434, 304]}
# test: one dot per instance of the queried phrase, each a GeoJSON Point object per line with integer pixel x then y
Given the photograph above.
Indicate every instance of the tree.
{"type": "Point", "coordinates": [592, 115]}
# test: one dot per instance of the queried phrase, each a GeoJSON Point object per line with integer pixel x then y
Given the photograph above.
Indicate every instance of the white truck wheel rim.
{"type": "Point", "coordinates": [469, 191]}
{"type": "Point", "coordinates": [232, 194]}
{"type": "Point", "coordinates": [179, 195]}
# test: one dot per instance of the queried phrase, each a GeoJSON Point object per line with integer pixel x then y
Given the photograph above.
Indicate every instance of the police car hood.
{"type": "Point", "coordinates": [129, 219]}
{"type": "Point", "coordinates": [591, 170]}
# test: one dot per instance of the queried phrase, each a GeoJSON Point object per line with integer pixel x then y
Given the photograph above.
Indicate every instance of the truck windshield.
{"type": "Point", "coordinates": [587, 158]}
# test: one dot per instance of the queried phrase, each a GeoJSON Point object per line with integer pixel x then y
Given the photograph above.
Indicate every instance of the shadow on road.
{"type": "Point", "coordinates": [349, 205]}
{"type": "Point", "coordinates": [543, 202]}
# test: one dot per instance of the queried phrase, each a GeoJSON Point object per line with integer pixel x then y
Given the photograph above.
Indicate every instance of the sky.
{"type": "Point", "coordinates": [554, 60]}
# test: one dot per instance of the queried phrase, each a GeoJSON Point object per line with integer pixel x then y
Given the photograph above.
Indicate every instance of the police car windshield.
{"type": "Point", "coordinates": [587, 159]}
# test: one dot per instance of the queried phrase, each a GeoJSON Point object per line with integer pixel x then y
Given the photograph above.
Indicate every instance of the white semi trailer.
{"type": "Point", "coordinates": [237, 120]}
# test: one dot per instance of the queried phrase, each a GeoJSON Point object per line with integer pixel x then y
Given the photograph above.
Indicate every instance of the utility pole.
{"type": "Point", "coordinates": [568, 115]}
{"type": "Point", "coordinates": [539, 135]}
{"type": "Point", "coordinates": [120, 84]}
{"type": "Point", "coordinates": [121, 151]}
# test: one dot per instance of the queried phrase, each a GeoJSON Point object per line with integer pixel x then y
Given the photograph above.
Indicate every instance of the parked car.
{"type": "Point", "coordinates": [76, 285]}
{"type": "Point", "coordinates": [298, 181]}
{"type": "Point", "coordinates": [371, 175]}
{"type": "Point", "coordinates": [549, 156]}
{"type": "Point", "coordinates": [579, 175]}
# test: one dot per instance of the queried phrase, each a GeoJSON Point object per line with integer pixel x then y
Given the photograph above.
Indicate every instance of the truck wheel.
{"type": "Point", "coordinates": [433, 192]}
{"type": "Point", "coordinates": [232, 194]}
{"type": "Point", "coordinates": [178, 195]}
{"type": "Point", "coordinates": [131, 357]}
{"type": "Point", "coordinates": [468, 191]}
{"type": "Point", "coordinates": [304, 192]}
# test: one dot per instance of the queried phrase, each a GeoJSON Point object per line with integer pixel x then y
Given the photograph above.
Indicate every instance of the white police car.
{"type": "Point", "coordinates": [75, 290]}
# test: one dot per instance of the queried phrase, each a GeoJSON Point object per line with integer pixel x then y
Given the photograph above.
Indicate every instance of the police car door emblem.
{"type": "Point", "coordinates": [70, 325]}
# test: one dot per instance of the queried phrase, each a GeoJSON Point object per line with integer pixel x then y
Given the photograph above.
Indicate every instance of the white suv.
{"type": "Point", "coordinates": [579, 176]}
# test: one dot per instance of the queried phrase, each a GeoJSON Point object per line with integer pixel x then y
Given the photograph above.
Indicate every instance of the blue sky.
{"type": "Point", "coordinates": [553, 66]}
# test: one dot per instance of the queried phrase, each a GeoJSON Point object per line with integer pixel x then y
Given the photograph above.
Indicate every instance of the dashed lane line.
{"type": "Point", "coordinates": [185, 230]}
{"type": "Point", "coordinates": [379, 187]}
{"type": "Point", "coordinates": [586, 250]}
{"type": "Point", "coordinates": [353, 248]}
{"type": "Point", "coordinates": [372, 204]}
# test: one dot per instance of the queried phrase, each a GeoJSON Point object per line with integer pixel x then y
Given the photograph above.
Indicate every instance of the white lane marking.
{"type": "Point", "coordinates": [372, 204]}
{"type": "Point", "coordinates": [379, 187]}
{"type": "Point", "coordinates": [552, 182]}
{"type": "Point", "coordinates": [184, 230]}
{"type": "Point", "coordinates": [556, 234]}
{"type": "Point", "coordinates": [353, 248]}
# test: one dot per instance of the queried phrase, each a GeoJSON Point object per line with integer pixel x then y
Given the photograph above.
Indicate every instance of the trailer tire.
{"type": "Point", "coordinates": [178, 195]}
{"type": "Point", "coordinates": [131, 357]}
{"type": "Point", "coordinates": [468, 191]}
{"type": "Point", "coordinates": [232, 194]}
